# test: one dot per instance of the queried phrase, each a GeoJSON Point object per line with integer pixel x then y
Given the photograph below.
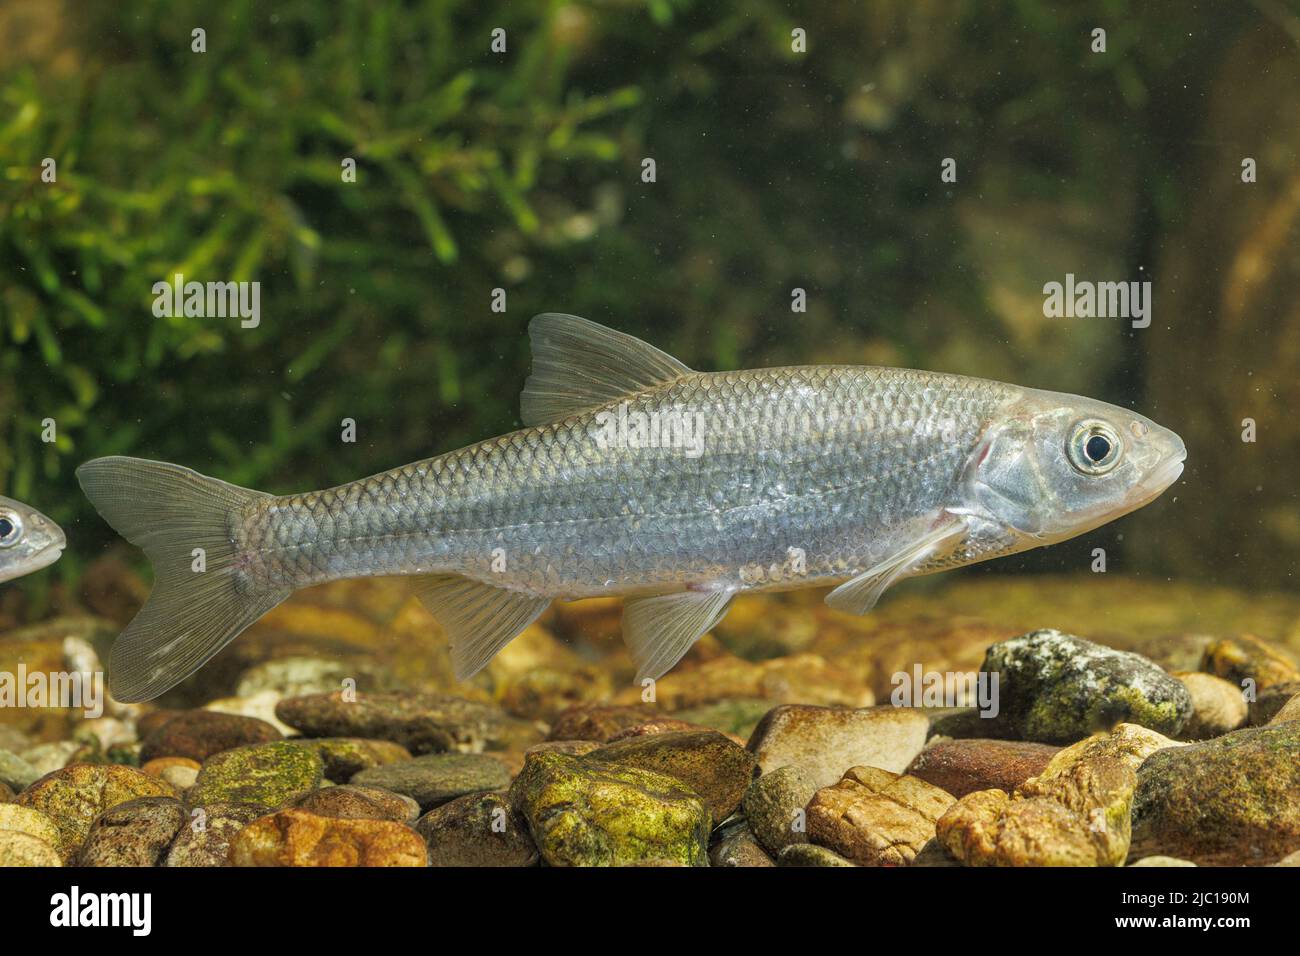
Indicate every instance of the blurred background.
{"type": "Point", "coordinates": [522, 171]}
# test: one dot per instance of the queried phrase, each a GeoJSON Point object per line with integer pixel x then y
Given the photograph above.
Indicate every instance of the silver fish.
{"type": "Point", "coordinates": [29, 541]}
{"type": "Point", "coordinates": [637, 476]}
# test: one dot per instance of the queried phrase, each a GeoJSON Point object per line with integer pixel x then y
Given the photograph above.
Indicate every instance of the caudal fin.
{"type": "Point", "coordinates": [169, 511]}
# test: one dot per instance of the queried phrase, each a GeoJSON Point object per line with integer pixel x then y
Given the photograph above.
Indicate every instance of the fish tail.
{"type": "Point", "coordinates": [202, 597]}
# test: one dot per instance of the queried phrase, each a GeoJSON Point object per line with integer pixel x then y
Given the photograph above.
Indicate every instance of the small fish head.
{"type": "Point", "coordinates": [1054, 466]}
{"type": "Point", "coordinates": [29, 541]}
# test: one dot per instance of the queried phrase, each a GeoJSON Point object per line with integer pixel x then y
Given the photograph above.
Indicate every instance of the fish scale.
{"type": "Point", "coordinates": [826, 459]}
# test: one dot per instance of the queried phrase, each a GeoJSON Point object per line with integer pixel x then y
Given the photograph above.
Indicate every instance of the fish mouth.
{"type": "Point", "coordinates": [42, 559]}
{"type": "Point", "coordinates": [1161, 479]}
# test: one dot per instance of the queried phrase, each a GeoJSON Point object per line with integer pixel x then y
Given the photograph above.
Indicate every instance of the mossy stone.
{"type": "Point", "coordinates": [269, 775]}
{"type": "Point", "coordinates": [716, 768]}
{"type": "Point", "coordinates": [586, 812]}
{"type": "Point", "coordinates": [1057, 688]}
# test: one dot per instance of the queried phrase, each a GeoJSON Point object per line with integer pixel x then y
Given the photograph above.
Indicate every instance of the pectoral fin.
{"type": "Point", "coordinates": [860, 594]}
{"type": "Point", "coordinates": [578, 365]}
{"type": "Point", "coordinates": [479, 619]}
{"type": "Point", "coordinates": [660, 629]}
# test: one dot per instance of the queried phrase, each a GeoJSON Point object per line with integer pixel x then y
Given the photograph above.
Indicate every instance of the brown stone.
{"type": "Point", "coordinates": [1246, 657]}
{"type": "Point", "coordinates": [601, 723]}
{"type": "Point", "coordinates": [135, 833]}
{"type": "Point", "coordinates": [480, 829]}
{"type": "Point", "coordinates": [299, 838]}
{"type": "Point", "coordinates": [964, 766]}
{"type": "Point", "coordinates": [826, 741]}
{"type": "Point", "coordinates": [1075, 816]}
{"type": "Point", "coordinates": [876, 818]}
{"type": "Point", "coordinates": [352, 802]}
{"type": "Point", "coordinates": [75, 795]}
{"type": "Point", "coordinates": [1218, 706]}
{"type": "Point", "coordinates": [198, 734]}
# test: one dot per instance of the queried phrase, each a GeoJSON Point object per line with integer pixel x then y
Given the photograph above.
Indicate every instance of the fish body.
{"type": "Point", "coordinates": [834, 462]}
{"type": "Point", "coordinates": [29, 541]}
{"type": "Point", "coordinates": [637, 476]}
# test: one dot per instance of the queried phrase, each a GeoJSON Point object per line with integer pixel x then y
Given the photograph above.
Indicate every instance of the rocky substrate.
{"type": "Point", "coordinates": [1096, 757]}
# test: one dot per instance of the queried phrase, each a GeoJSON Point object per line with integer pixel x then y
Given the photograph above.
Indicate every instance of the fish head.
{"type": "Point", "coordinates": [1053, 466]}
{"type": "Point", "coordinates": [29, 541]}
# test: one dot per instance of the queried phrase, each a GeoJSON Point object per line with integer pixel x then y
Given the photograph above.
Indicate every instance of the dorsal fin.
{"type": "Point", "coordinates": [579, 365]}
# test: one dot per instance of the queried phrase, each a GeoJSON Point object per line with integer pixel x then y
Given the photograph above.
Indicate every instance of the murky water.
{"type": "Point", "coordinates": [292, 248]}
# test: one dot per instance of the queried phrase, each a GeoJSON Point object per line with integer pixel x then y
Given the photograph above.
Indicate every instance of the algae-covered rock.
{"type": "Point", "coordinates": [135, 833]}
{"type": "Point", "coordinates": [23, 849]}
{"type": "Point", "coordinates": [198, 734]}
{"type": "Point", "coordinates": [479, 829]}
{"type": "Point", "coordinates": [737, 846]}
{"type": "Point", "coordinates": [422, 723]}
{"type": "Point", "coordinates": [774, 806]}
{"type": "Point", "coordinates": [27, 820]}
{"type": "Point", "coordinates": [344, 757]}
{"type": "Point", "coordinates": [299, 838]}
{"type": "Point", "coordinates": [204, 839]}
{"type": "Point", "coordinates": [710, 764]}
{"type": "Point", "coordinates": [964, 766]}
{"type": "Point", "coordinates": [826, 741]}
{"type": "Point", "coordinates": [876, 818]}
{"type": "Point", "coordinates": [351, 802]}
{"type": "Point", "coordinates": [1247, 658]}
{"type": "Point", "coordinates": [433, 779]}
{"type": "Point", "coordinates": [75, 795]}
{"type": "Point", "coordinates": [1127, 742]}
{"type": "Point", "coordinates": [1056, 688]}
{"type": "Point", "coordinates": [1234, 800]}
{"type": "Point", "coordinates": [584, 812]}
{"type": "Point", "coordinates": [268, 775]}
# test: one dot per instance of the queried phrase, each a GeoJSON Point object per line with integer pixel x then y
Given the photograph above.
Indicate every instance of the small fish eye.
{"type": "Point", "coordinates": [1094, 447]}
{"type": "Point", "coordinates": [11, 528]}
{"type": "Point", "coordinates": [1097, 448]}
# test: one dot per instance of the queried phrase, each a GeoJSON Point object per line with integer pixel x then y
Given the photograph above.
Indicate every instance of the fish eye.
{"type": "Point", "coordinates": [11, 529]}
{"type": "Point", "coordinates": [1094, 447]}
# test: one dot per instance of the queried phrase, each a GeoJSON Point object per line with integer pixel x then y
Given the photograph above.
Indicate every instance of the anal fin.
{"type": "Point", "coordinates": [860, 594]}
{"type": "Point", "coordinates": [660, 629]}
{"type": "Point", "coordinates": [479, 619]}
